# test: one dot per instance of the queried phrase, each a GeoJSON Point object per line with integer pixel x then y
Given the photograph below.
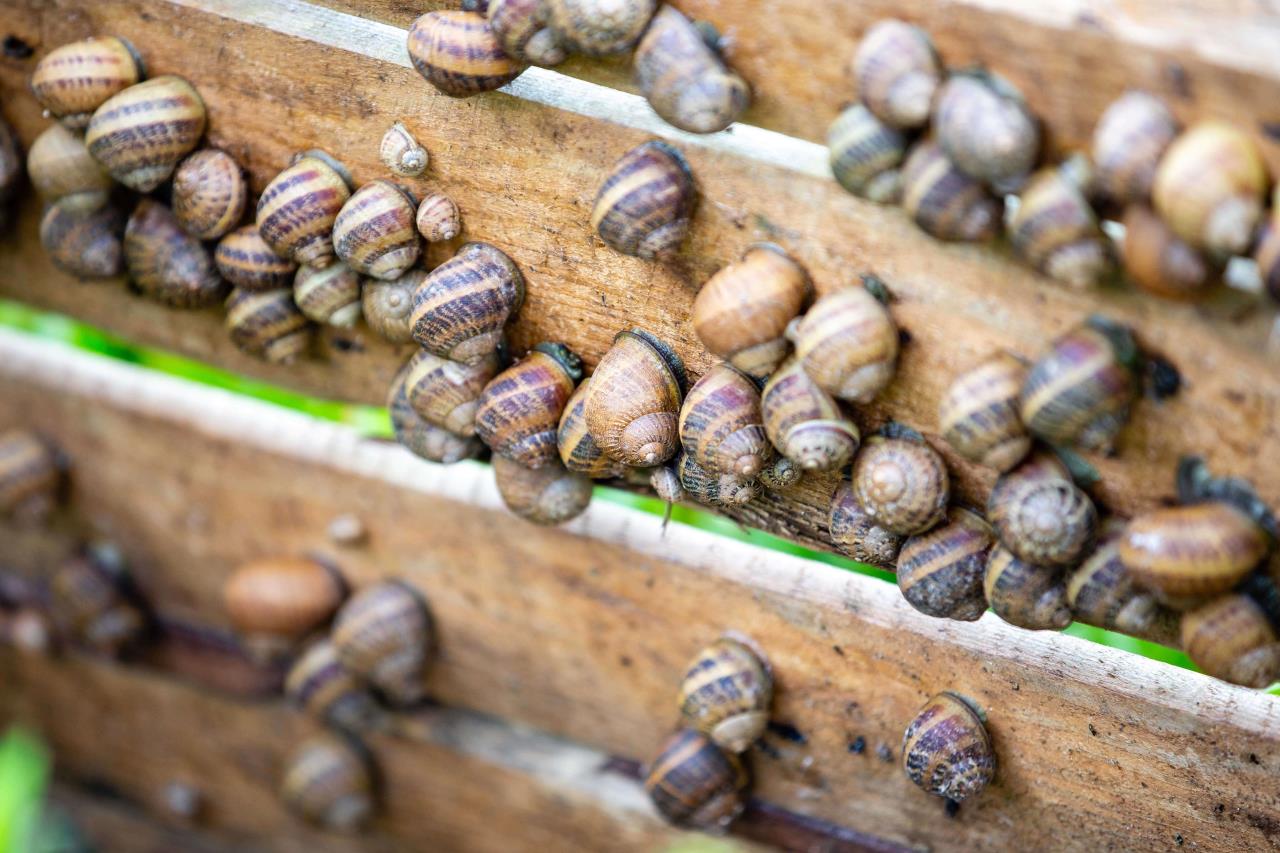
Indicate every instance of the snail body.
{"type": "Point", "coordinates": [694, 783]}
{"type": "Point", "coordinates": [141, 133]}
{"type": "Point", "coordinates": [330, 296]}
{"type": "Point", "coordinates": [1231, 638]}
{"type": "Point", "coordinates": [276, 601]}
{"type": "Point", "coordinates": [578, 450]}
{"type": "Point", "coordinates": [375, 233]}
{"type": "Point", "coordinates": [166, 263]}
{"type": "Point", "coordinates": [1193, 551]}
{"type": "Point", "coordinates": [985, 128]}
{"type": "Point", "coordinates": [865, 155]}
{"type": "Point", "coordinates": [940, 572]}
{"type": "Point", "coordinates": [327, 782]}
{"type": "Point", "coordinates": [268, 325]}
{"type": "Point", "coordinates": [549, 495]}
{"type": "Point", "coordinates": [461, 308]}
{"type": "Point", "coordinates": [297, 209]}
{"type": "Point", "coordinates": [944, 201]}
{"type": "Point", "coordinates": [209, 194]}
{"type": "Point", "coordinates": [447, 393]}
{"type": "Point", "coordinates": [633, 405]}
{"type": "Point", "coordinates": [320, 685]}
{"type": "Point", "coordinates": [422, 438]}
{"type": "Point", "coordinates": [387, 306]}
{"type": "Point", "coordinates": [645, 205]}
{"type": "Point", "coordinates": [29, 476]}
{"type": "Point", "coordinates": [901, 483]}
{"type": "Point", "coordinates": [1159, 262]}
{"type": "Point", "coordinates": [848, 343]}
{"type": "Point", "coordinates": [725, 694]}
{"type": "Point", "coordinates": [401, 153]}
{"type": "Point", "coordinates": [713, 489]}
{"type": "Point", "coordinates": [947, 751]}
{"type": "Point", "coordinates": [684, 78]}
{"type": "Point", "coordinates": [1102, 592]}
{"type": "Point", "coordinates": [978, 415]}
{"type": "Point", "coordinates": [1128, 142]}
{"type": "Point", "coordinates": [245, 260]}
{"type": "Point", "coordinates": [1041, 516]}
{"type": "Point", "coordinates": [522, 29]}
{"type": "Point", "coordinates": [458, 53]}
{"type": "Point", "coordinates": [384, 634]}
{"type": "Point", "coordinates": [90, 603]}
{"type": "Point", "coordinates": [73, 80]}
{"type": "Point", "coordinates": [518, 412]}
{"type": "Point", "coordinates": [1024, 594]}
{"type": "Point", "coordinates": [61, 167]}
{"type": "Point", "coordinates": [83, 243]}
{"type": "Point", "coordinates": [599, 27]}
{"type": "Point", "coordinates": [721, 426]}
{"type": "Point", "coordinates": [438, 219]}
{"type": "Point", "coordinates": [896, 71]}
{"type": "Point", "coordinates": [1056, 231]}
{"type": "Point", "coordinates": [804, 423]}
{"type": "Point", "coordinates": [859, 535]}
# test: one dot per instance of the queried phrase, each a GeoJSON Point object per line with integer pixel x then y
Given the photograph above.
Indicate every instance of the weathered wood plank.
{"type": "Point", "coordinates": [583, 632]}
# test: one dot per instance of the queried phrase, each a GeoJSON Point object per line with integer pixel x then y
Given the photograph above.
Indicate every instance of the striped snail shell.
{"type": "Point", "coordinates": [1192, 552]}
{"type": "Point", "coordinates": [978, 415]}
{"type": "Point", "coordinates": [848, 343]}
{"type": "Point", "coordinates": [665, 482]}
{"type": "Point", "coordinates": [522, 30]}
{"type": "Point", "coordinates": [985, 128]}
{"type": "Point", "coordinates": [459, 54]}
{"type": "Point", "coordinates": [1041, 515]}
{"type": "Point", "coordinates": [328, 782]}
{"type": "Point", "coordinates": [1056, 231]}
{"type": "Point", "coordinates": [1102, 592]}
{"type": "Point", "coordinates": [727, 490]}
{"type": "Point", "coordinates": [721, 426]}
{"type": "Point", "coordinates": [633, 405]}
{"type": "Point", "coordinates": [1231, 638]}
{"type": "Point", "coordinates": [1128, 142]}
{"type": "Point", "coordinates": [375, 232]}
{"type": "Point", "coordinates": [804, 423]}
{"type": "Point", "coordinates": [901, 482]}
{"type": "Point", "coordinates": [741, 313]}
{"type": "Point", "coordinates": [297, 210]}
{"type": "Point", "coordinates": [328, 296]}
{"type": "Point", "coordinates": [422, 438]}
{"type": "Point", "coordinates": [401, 153]}
{"type": "Point", "coordinates": [1160, 263]}
{"type": "Point", "coordinates": [519, 411]}
{"type": "Point", "coordinates": [857, 534]}
{"type": "Point", "coordinates": [61, 167]}
{"type": "Point", "coordinates": [599, 27]}
{"type": "Point", "coordinates": [321, 686]}
{"type": "Point", "coordinates": [548, 495]}
{"type": "Point", "coordinates": [865, 155]}
{"type": "Point", "coordinates": [268, 325]}
{"type": "Point", "coordinates": [1024, 594]}
{"type": "Point", "coordinates": [725, 694]}
{"type": "Point", "coordinates": [30, 476]}
{"type": "Point", "coordinates": [166, 263]}
{"type": "Point", "coordinates": [578, 450]}
{"type": "Point", "coordinates": [384, 634]}
{"type": "Point", "coordinates": [209, 193]}
{"type": "Point", "coordinates": [462, 307]}
{"type": "Point", "coordinates": [946, 749]}
{"type": "Point", "coordinates": [388, 305]}
{"type": "Point", "coordinates": [940, 572]}
{"type": "Point", "coordinates": [73, 80]}
{"type": "Point", "coordinates": [693, 783]}
{"type": "Point", "coordinates": [684, 78]}
{"type": "Point", "coordinates": [83, 243]}
{"type": "Point", "coordinates": [897, 72]}
{"type": "Point", "coordinates": [447, 393]}
{"type": "Point", "coordinates": [438, 218]}
{"type": "Point", "coordinates": [645, 206]}
{"type": "Point", "coordinates": [141, 133]}
{"type": "Point", "coordinates": [91, 602]}
{"type": "Point", "coordinates": [781, 474]}
{"type": "Point", "coordinates": [245, 260]}
{"type": "Point", "coordinates": [276, 601]}
{"type": "Point", "coordinates": [945, 202]}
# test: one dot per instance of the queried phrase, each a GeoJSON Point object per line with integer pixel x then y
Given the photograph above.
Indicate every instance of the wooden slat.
{"type": "Point", "coordinates": [583, 632]}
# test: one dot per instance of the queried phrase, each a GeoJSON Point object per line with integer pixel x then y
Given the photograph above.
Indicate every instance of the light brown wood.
{"type": "Point", "coordinates": [584, 632]}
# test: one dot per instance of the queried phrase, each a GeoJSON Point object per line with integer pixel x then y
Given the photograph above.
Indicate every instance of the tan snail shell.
{"type": "Point", "coordinates": [327, 782]}
{"type": "Point", "coordinates": [83, 243]}
{"type": "Point", "coordinates": [90, 601]}
{"type": "Point", "coordinates": [599, 27]}
{"type": "Point", "coordinates": [978, 415]}
{"type": "Point", "coordinates": [401, 153]}
{"type": "Point", "coordinates": [683, 77]}
{"type": "Point", "coordinates": [268, 325]}
{"type": "Point", "coordinates": [522, 30]}
{"type": "Point", "coordinates": [645, 205]}
{"type": "Point", "coordinates": [896, 72]}
{"type": "Point", "coordinates": [75, 79]}
{"type": "Point", "coordinates": [741, 313]}
{"type": "Point", "coordinates": [848, 343]}
{"type": "Point", "coordinates": [857, 534]}
{"type": "Point", "coordinates": [1056, 231]}
{"type": "Point", "coordinates": [1024, 594]}
{"type": "Point", "coordinates": [1231, 638]}
{"type": "Point", "coordinates": [578, 450]}
{"type": "Point", "coordinates": [375, 233]}
{"type": "Point", "coordinates": [209, 193]}
{"type": "Point", "coordinates": [805, 423]}
{"type": "Point", "coordinates": [384, 634]}
{"type": "Point", "coordinates": [328, 296]}
{"type": "Point", "coordinates": [518, 412]}
{"type": "Point", "coordinates": [985, 128]}
{"type": "Point", "coordinates": [459, 54]}
{"type": "Point", "coordinates": [245, 260]}
{"type": "Point", "coordinates": [1102, 592]}
{"type": "Point", "coordinates": [296, 211]}
{"type": "Point", "coordinates": [708, 487]}
{"type": "Point", "coordinates": [60, 167]}
{"type": "Point", "coordinates": [693, 783]}
{"type": "Point", "coordinates": [276, 601]}
{"type": "Point", "coordinates": [462, 307]}
{"type": "Point", "coordinates": [168, 264]}
{"type": "Point", "coordinates": [422, 438]}
{"type": "Point", "coordinates": [1128, 142]}
{"type": "Point", "coordinates": [721, 426]}
{"type": "Point", "coordinates": [945, 202]}
{"type": "Point", "coordinates": [632, 408]}
{"type": "Point", "coordinates": [1193, 551]}
{"type": "Point", "coordinates": [447, 393]}
{"type": "Point", "coordinates": [30, 477]}
{"type": "Point", "coordinates": [320, 685]}
{"type": "Point", "coordinates": [725, 694]}
{"type": "Point", "coordinates": [141, 133]}
{"type": "Point", "coordinates": [548, 495]}
{"type": "Point", "coordinates": [1041, 515]}
{"type": "Point", "coordinates": [940, 572]}
{"type": "Point", "coordinates": [865, 155]}
{"type": "Point", "coordinates": [387, 306]}
{"type": "Point", "coordinates": [947, 751]}
{"type": "Point", "coordinates": [438, 218]}
{"type": "Point", "coordinates": [901, 483]}
{"type": "Point", "coordinates": [1159, 262]}
{"type": "Point", "coordinates": [782, 474]}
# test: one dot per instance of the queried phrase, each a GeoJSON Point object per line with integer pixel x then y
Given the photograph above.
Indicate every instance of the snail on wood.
{"type": "Point", "coordinates": [73, 80]}
{"type": "Point", "coordinates": [401, 153]}
{"type": "Point", "coordinates": [901, 482]}
{"type": "Point", "coordinates": [328, 782]}
{"type": "Point", "coordinates": [209, 194]}
{"type": "Point", "coordinates": [387, 306]}
{"type": "Point", "coordinates": [458, 53]}
{"type": "Point", "coordinates": [297, 210]}
{"type": "Point", "coordinates": [896, 71]}
{"type": "Point", "coordinates": [946, 749]}
{"type": "Point", "coordinates": [166, 263]}
{"type": "Point", "coordinates": [329, 296]}
{"type": "Point", "coordinates": [61, 167]}
{"type": "Point", "coordinates": [1102, 592]}
{"type": "Point", "coordinates": [1056, 230]}
{"type": "Point", "coordinates": [92, 603]}
{"type": "Point", "coordinates": [438, 218]}
{"type": "Point", "coordinates": [462, 307]}
{"type": "Point", "coordinates": [83, 243]}
{"type": "Point", "coordinates": [940, 572]}
{"type": "Point", "coordinates": [548, 495]}
{"type": "Point", "coordinates": [375, 233]}
{"type": "Point", "coordinates": [1025, 594]}
{"type": "Point", "coordinates": [633, 405]}
{"type": "Point", "coordinates": [518, 412]}
{"type": "Point", "coordinates": [693, 783]}
{"type": "Point", "coordinates": [804, 423]}
{"type": "Point", "coordinates": [865, 155]}
{"type": "Point", "coordinates": [683, 77]}
{"type": "Point", "coordinates": [711, 488]}
{"type": "Point", "coordinates": [422, 438]}
{"type": "Point", "coordinates": [30, 476]}
{"type": "Point", "coordinates": [1231, 638]}
{"type": "Point", "coordinates": [274, 602]}
{"type": "Point", "coordinates": [645, 205]}
{"type": "Point", "coordinates": [848, 343]}
{"type": "Point", "coordinates": [857, 534]}
{"type": "Point", "coordinates": [141, 133]}
{"type": "Point", "coordinates": [1041, 515]}
{"type": "Point", "coordinates": [978, 415]}
{"type": "Point", "coordinates": [945, 202]}
{"type": "Point", "coordinates": [725, 694]}
{"type": "Point", "coordinates": [523, 31]}
{"type": "Point", "coordinates": [447, 393]}
{"type": "Point", "coordinates": [599, 27]}
{"type": "Point", "coordinates": [578, 450]}
{"type": "Point", "coordinates": [268, 325]}
{"type": "Point", "coordinates": [384, 635]}
{"type": "Point", "coordinates": [1128, 142]}
{"type": "Point", "coordinates": [1161, 263]}
{"type": "Point", "coordinates": [245, 260]}
{"type": "Point", "coordinates": [721, 426]}
{"type": "Point", "coordinates": [985, 129]}
{"type": "Point", "coordinates": [320, 685]}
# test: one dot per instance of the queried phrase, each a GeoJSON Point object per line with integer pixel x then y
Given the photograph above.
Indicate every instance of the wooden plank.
{"type": "Point", "coordinates": [113, 824]}
{"type": "Point", "coordinates": [583, 632]}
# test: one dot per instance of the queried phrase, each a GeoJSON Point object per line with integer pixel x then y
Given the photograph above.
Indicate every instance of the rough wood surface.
{"type": "Point", "coordinates": [583, 632]}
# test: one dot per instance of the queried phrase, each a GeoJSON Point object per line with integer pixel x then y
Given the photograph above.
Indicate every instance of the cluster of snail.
{"type": "Point", "coordinates": [678, 64]}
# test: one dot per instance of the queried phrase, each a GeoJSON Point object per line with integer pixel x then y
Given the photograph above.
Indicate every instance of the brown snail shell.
{"type": "Point", "coordinates": [328, 782]}
{"type": "Point", "coordinates": [522, 30]}
{"type": "Point", "coordinates": [518, 412]}
{"type": "Point", "coordinates": [209, 193]}
{"type": "Point", "coordinates": [1232, 639]}
{"type": "Point", "coordinates": [1160, 263]}
{"type": "Point", "coordinates": [401, 153]}
{"type": "Point", "coordinates": [1024, 594]}
{"type": "Point", "coordinates": [422, 438]}
{"type": "Point", "coordinates": [141, 133]}
{"type": "Point", "coordinates": [462, 307]}
{"type": "Point", "coordinates": [741, 313]}
{"type": "Point", "coordinates": [1194, 551]}
{"type": "Point", "coordinates": [945, 202]}
{"type": "Point", "coordinates": [375, 232]}
{"type": "Point", "coordinates": [865, 155]}
{"type": "Point", "coordinates": [857, 534]}
{"type": "Point", "coordinates": [632, 408]}
{"type": "Point", "coordinates": [276, 601]}
{"type": "Point", "coordinates": [73, 80]}
{"type": "Point", "coordinates": [548, 495]}
{"type": "Point", "coordinates": [384, 634]}
{"type": "Point", "coordinates": [388, 306]}
{"type": "Point", "coordinates": [320, 685]}
{"type": "Point", "coordinates": [30, 477]}
{"type": "Point", "coordinates": [1128, 142]}
{"type": "Point", "coordinates": [1267, 254]}
{"type": "Point", "coordinates": [328, 296]}
{"type": "Point", "coordinates": [693, 783]}
{"type": "Point", "coordinates": [446, 393]}
{"type": "Point", "coordinates": [578, 450]}
{"type": "Point", "coordinates": [166, 263]}
{"type": "Point", "coordinates": [896, 72]}
{"type": "Point", "coordinates": [1041, 515]}
{"type": "Point", "coordinates": [684, 78]}
{"type": "Point", "coordinates": [1056, 231]}
{"type": "Point", "coordinates": [940, 572]}
{"type": "Point", "coordinates": [985, 128]}
{"type": "Point", "coordinates": [728, 490]}
{"type": "Point", "coordinates": [804, 423]}
{"type": "Point", "coordinates": [599, 27]}
{"type": "Point", "coordinates": [665, 482]}
{"type": "Point", "coordinates": [61, 167]}
{"type": "Point", "coordinates": [245, 260]}
{"type": "Point", "coordinates": [297, 210]}
{"type": "Point", "coordinates": [901, 483]}
{"type": "Point", "coordinates": [459, 54]}
{"type": "Point", "coordinates": [721, 426]}
{"type": "Point", "coordinates": [978, 415]}
{"type": "Point", "coordinates": [947, 751]}
{"type": "Point", "coordinates": [438, 218]}
{"type": "Point", "coordinates": [83, 243]}
{"type": "Point", "coordinates": [268, 325]}
{"type": "Point", "coordinates": [725, 694]}
{"type": "Point", "coordinates": [10, 167]}
{"type": "Point", "coordinates": [90, 603]}
{"type": "Point", "coordinates": [781, 474]}
{"type": "Point", "coordinates": [848, 343]}
{"type": "Point", "coordinates": [645, 205]}
{"type": "Point", "coordinates": [1102, 592]}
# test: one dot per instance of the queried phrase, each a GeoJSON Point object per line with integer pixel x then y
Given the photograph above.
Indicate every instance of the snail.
{"type": "Point", "coordinates": [1128, 142]}
{"type": "Point", "coordinates": [446, 393]}
{"type": "Point", "coordinates": [865, 155]}
{"type": "Point", "coordinates": [896, 71]}
{"type": "Point", "coordinates": [522, 30]}
{"type": "Point", "coordinates": [1041, 515]}
{"type": "Point", "coordinates": [1231, 638]}
{"type": "Point", "coordinates": [665, 482]}
{"type": "Point", "coordinates": [459, 54]}
{"type": "Point", "coordinates": [857, 534]}
{"type": "Point", "coordinates": [1024, 594]}
{"type": "Point", "coordinates": [91, 602]}
{"type": "Point", "coordinates": [1055, 229]}
{"type": "Point", "coordinates": [599, 27]}
{"type": "Point", "coordinates": [421, 438]}
{"type": "Point", "coordinates": [683, 77]}
{"type": "Point", "coordinates": [1210, 187]}
{"type": "Point", "coordinates": [73, 80]}
{"type": "Point", "coordinates": [268, 325]}
{"type": "Point", "coordinates": [27, 629]}
{"type": "Point", "coordinates": [10, 169]}
{"type": "Point", "coordinates": [401, 153]}
{"type": "Point", "coordinates": [645, 205]}
{"type": "Point", "coordinates": [548, 495]}
{"type": "Point", "coordinates": [727, 490]}
{"type": "Point", "coordinates": [245, 260]}
{"type": "Point", "coordinates": [725, 694]}
{"type": "Point", "coordinates": [720, 424]}
{"type": "Point", "coordinates": [1267, 253]}
{"type": "Point", "coordinates": [985, 128]}
{"type": "Point", "coordinates": [387, 306]}
{"type": "Point", "coordinates": [741, 313]}
{"type": "Point", "coordinates": [276, 601]}
{"type": "Point", "coordinates": [375, 233]}
{"type": "Point", "coordinates": [633, 405]}
{"type": "Point", "coordinates": [940, 572]}
{"type": "Point", "coordinates": [1079, 394]}
{"type": "Point", "coordinates": [901, 482]}
{"type": "Point", "coordinates": [1159, 262]}
{"type": "Point", "coordinates": [83, 243]}
{"type": "Point", "coordinates": [848, 343]}
{"type": "Point", "coordinates": [578, 450]}
{"type": "Point", "coordinates": [297, 209]}
{"type": "Point", "coordinates": [462, 307]}
{"type": "Point", "coordinates": [208, 194]}
{"type": "Point", "coordinates": [320, 685]}
{"type": "Point", "coordinates": [166, 263]}
{"type": "Point", "coordinates": [61, 167]}
{"type": "Point", "coordinates": [693, 783]}
{"type": "Point", "coordinates": [978, 415]}
{"type": "Point", "coordinates": [782, 474]}
{"type": "Point", "coordinates": [519, 411]}
{"type": "Point", "coordinates": [328, 782]}
{"type": "Point", "coordinates": [141, 133]}
{"type": "Point", "coordinates": [384, 635]}
{"type": "Point", "coordinates": [1102, 592]}
{"type": "Point", "coordinates": [438, 219]}
{"type": "Point", "coordinates": [946, 749]}
{"type": "Point", "coordinates": [804, 423]}
{"type": "Point", "coordinates": [945, 202]}
{"type": "Point", "coordinates": [329, 296]}
{"type": "Point", "coordinates": [30, 476]}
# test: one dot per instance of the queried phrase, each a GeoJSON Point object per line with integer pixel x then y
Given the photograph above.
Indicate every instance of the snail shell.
{"type": "Point", "coordinates": [984, 127]}
{"type": "Point", "coordinates": [209, 193]}
{"type": "Point", "coordinates": [901, 483]}
{"type": "Point", "coordinates": [728, 490]}
{"type": "Point", "coordinates": [866, 154]}
{"type": "Point", "coordinates": [30, 477]}
{"type": "Point", "coordinates": [421, 438]}
{"type": "Point", "coordinates": [721, 426]}
{"type": "Point", "coordinates": [522, 30]}
{"type": "Point", "coordinates": [401, 153]}
{"type": "Point", "coordinates": [1040, 515]}
{"type": "Point", "coordinates": [328, 296]}
{"type": "Point", "coordinates": [897, 72]}
{"type": "Point", "coordinates": [947, 751]}
{"type": "Point", "coordinates": [1210, 187]}
{"type": "Point", "coordinates": [388, 306]}
{"type": "Point", "coordinates": [168, 264]}
{"type": "Point", "coordinates": [1267, 253]}
{"type": "Point", "coordinates": [1024, 594]}
{"type": "Point", "coordinates": [726, 693]}
{"type": "Point", "coordinates": [384, 634]}
{"type": "Point", "coordinates": [267, 324]}
{"type": "Point", "coordinates": [848, 343]}
{"type": "Point", "coordinates": [328, 782]}
{"type": "Point", "coordinates": [297, 210]}
{"type": "Point", "coordinates": [633, 405]}
{"type": "Point", "coordinates": [75, 79]}
{"type": "Point", "coordinates": [1128, 142]}
{"type": "Point", "coordinates": [320, 685]}
{"type": "Point", "coordinates": [1232, 639]}
{"type": "Point", "coordinates": [461, 308]}
{"type": "Point", "coordinates": [89, 602]}
{"type": "Point", "coordinates": [945, 202]}
{"type": "Point", "coordinates": [804, 423]}
{"type": "Point", "coordinates": [276, 601]}
{"type": "Point", "coordinates": [519, 410]}
{"type": "Point", "coordinates": [548, 495]}
{"type": "Point", "coordinates": [1056, 231]}
{"type": "Point", "coordinates": [646, 204]}
{"type": "Point", "coordinates": [375, 233]}
{"type": "Point", "coordinates": [10, 169]}
{"type": "Point", "coordinates": [979, 417]}
{"type": "Point", "coordinates": [781, 474]}
{"type": "Point", "coordinates": [1192, 551]}
{"type": "Point", "coordinates": [578, 450]}
{"type": "Point", "coordinates": [438, 218]}
{"type": "Point", "coordinates": [459, 54]}
{"type": "Point", "coordinates": [741, 313]}
{"type": "Point", "coordinates": [857, 534]}
{"type": "Point", "coordinates": [245, 260]}
{"type": "Point", "coordinates": [446, 393]}
{"type": "Point", "coordinates": [684, 79]}
{"type": "Point", "coordinates": [61, 167]}
{"type": "Point", "coordinates": [141, 133]}
{"type": "Point", "coordinates": [83, 243]}
{"type": "Point", "coordinates": [1160, 263]}
{"type": "Point", "coordinates": [1102, 592]}
{"type": "Point", "coordinates": [665, 482]}
{"type": "Point", "coordinates": [599, 27]}
{"type": "Point", "coordinates": [940, 572]}
{"type": "Point", "coordinates": [693, 783]}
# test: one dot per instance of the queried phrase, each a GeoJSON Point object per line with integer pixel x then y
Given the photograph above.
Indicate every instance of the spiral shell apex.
{"type": "Point", "coordinates": [327, 782]}
{"type": "Point", "coordinates": [859, 535]}
{"type": "Point", "coordinates": [401, 153]}
{"type": "Point", "coordinates": [632, 408]}
{"type": "Point", "coordinates": [599, 27]}
{"type": "Point", "coordinates": [330, 296]}
{"type": "Point", "coordinates": [979, 417]}
{"type": "Point", "coordinates": [246, 261]}
{"type": "Point", "coordinates": [940, 572]}
{"type": "Point", "coordinates": [865, 155]}
{"type": "Point", "coordinates": [422, 438]}
{"type": "Point", "coordinates": [1128, 142]}
{"type": "Point", "coordinates": [384, 634]}
{"type": "Point", "coordinates": [268, 325]}
{"type": "Point", "coordinates": [458, 53]}
{"type": "Point", "coordinates": [75, 79]}
{"type": "Point", "coordinates": [645, 206]}
{"type": "Point", "coordinates": [578, 450]}
{"type": "Point", "coordinates": [684, 79]}
{"type": "Point", "coordinates": [141, 133]}
{"type": "Point", "coordinates": [462, 307]}
{"type": "Point", "coordinates": [945, 202]}
{"type": "Point", "coordinates": [694, 783]}
{"type": "Point", "coordinates": [721, 426]}
{"type": "Point", "coordinates": [518, 412]}
{"type": "Point", "coordinates": [60, 167]}
{"type": "Point", "coordinates": [388, 306]}
{"type": "Point", "coordinates": [209, 194]}
{"type": "Point", "coordinates": [86, 244]}
{"type": "Point", "coordinates": [901, 483]}
{"type": "Point", "coordinates": [947, 751]}
{"type": "Point", "coordinates": [296, 211]}
{"type": "Point", "coordinates": [1041, 516]}
{"type": "Point", "coordinates": [438, 218]}
{"type": "Point", "coordinates": [708, 487]}
{"type": "Point", "coordinates": [804, 423]}
{"type": "Point", "coordinates": [725, 693]}
{"type": "Point", "coordinates": [848, 343]}
{"type": "Point", "coordinates": [548, 495]}
{"type": "Point", "coordinates": [897, 72]}
{"type": "Point", "coordinates": [447, 393]}
{"type": "Point", "coordinates": [168, 264]}
{"type": "Point", "coordinates": [29, 476]}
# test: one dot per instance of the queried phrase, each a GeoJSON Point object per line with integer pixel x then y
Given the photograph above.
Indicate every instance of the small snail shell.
{"type": "Point", "coordinates": [1232, 639]}
{"type": "Point", "coordinates": [86, 244]}
{"type": "Point", "coordinates": [267, 324]}
{"type": "Point", "coordinates": [75, 79]}
{"type": "Point", "coordinates": [901, 483]}
{"type": "Point", "coordinates": [1192, 551]}
{"type": "Point", "coordinates": [665, 482]}
{"type": "Point", "coordinates": [461, 308]}
{"type": "Point", "coordinates": [848, 343]}
{"type": "Point", "coordinates": [548, 495]}
{"type": "Point", "coordinates": [599, 27]}
{"type": "Point", "coordinates": [142, 133]}
{"type": "Point", "coordinates": [27, 629]}
{"type": "Point", "coordinates": [1040, 515]}
{"type": "Point", "coordinates": [1024, 594]}
{"type": "Point", "coordinates": [384, 634]}
{"type": "Point", "coordinates": [1210, 187]}
{"type": "Point", "coordinates": [521, 28]}
{"type": "Point", "coordinates": [713, 489]}
{"type": "Point", "coordinates": [696, 784]}
{"type": "Point", "coordinates": [276, 601]}
{"type": "Point", "coordinates": [1102, 592]}
{"type": "Point", "coordinates": [1267, 254]}
{"type": "Point", "coordinates": [401, 153]}
{"type": "Point", "coordinates": [519, 410]}
{"type": "Point", "coordinates": [645, 205]}
{"type": "Point", "coordinates": [388, 306]}
{"type": "Point", "coordinates": [89, 602]}
{"type": "Point", "coordinates": [327, 782]}
{"type": "Point", "coordinates": [447, 393]}
{"type": "Point", "coordinates": [857, 534]}
{"type": "Point", "coordinates": [721, 426]}
{"type": "Point", "coordinates": [945, 202]}
{"type": "Point", "coordinates": [438, 218]}
{"type": "Point", "coordinates": [1128, 142]}
{"type": "Point", "coordinates": [897, 73]}
{"type": "Point", "coordinates": [578, 450]}
{"type": "Point", "coordinates": [946, 749]}
{"type": "Point", "coordinates": [684, 79]}
{"type": "Point", "coordinates": [978, 416]}
{"type": "Point", "coordinates": [421, 438]}
{"type": "Point", "coordinates": [726, 693]}
{"type": "Point", "coordinates": [246, 261]}
{"type": "Point", "coordinates": [168, 264]}
{"type": "Point", "coordinates": [459, 54]}
{"type": "Point", "coordinates": [782, 474]}
{"type": "Point", "coordinates": [209, 193]}
{"type": "Point", "coordinates": [1080, 393]}
{"type": "Point", "coordinates": [297, 209]}
{"type": "Point", "coordinates": [804, 423]}
{"type": "Point", "coordinates": [633, 405]}
{"type": "Point", "coordinates": [984, 127]}
{"type": "Point", "coordinates": [61, 167]}
{"type": "Point", "coordinates": [1160, 263]}
{"type": "Point", "coordinates": [320, 685]}
{"type": "Point", "coordinates": [741, 313]}
{"type": "Point", "coordinates": [865, 154]}
{"type": "Point", "coordinates": [375, 233]}
{"type": "Point", "coordinates": [30, 477]}
{"type": "Point", "coordinates": [940, 572]}
{"type": "Point", "coordinates": [328, 296]}
{"type": "Point", "coordinates": [1056, 231]}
